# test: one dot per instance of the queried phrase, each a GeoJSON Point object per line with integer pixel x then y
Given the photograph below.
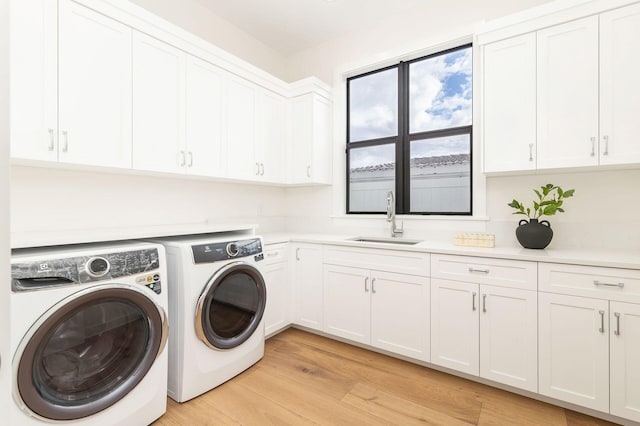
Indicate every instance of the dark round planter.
{"type": "Point", "coordinates": [533, 234]}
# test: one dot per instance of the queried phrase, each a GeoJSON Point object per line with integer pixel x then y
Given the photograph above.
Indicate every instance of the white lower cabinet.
{"type": "Point", "coordinates": [574, 349]}
{"type": "Point", "coordinates": [483, 329]}
{"type": "Point", "coordinates": [387, 310]}
{"type": "Point", "coordinates": [275, 271]}
{"type": "Point", "coordinates": [589, 320]}
{"type": "Point", "coordinates": [625, 360]}
{"type": "Point", "coordinates": [307, 285]}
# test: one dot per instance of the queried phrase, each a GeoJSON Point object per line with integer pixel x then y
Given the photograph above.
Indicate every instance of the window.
{"type": "Point", "coordinates": [409, 131]}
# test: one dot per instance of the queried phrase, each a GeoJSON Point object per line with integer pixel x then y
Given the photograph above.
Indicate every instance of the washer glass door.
{"type": "Point", "coordinates": [231, 306]}
{"type": "Point", "coordinates": [88, 352]}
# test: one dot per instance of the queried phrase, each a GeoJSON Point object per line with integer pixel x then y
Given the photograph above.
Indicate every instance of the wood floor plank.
{"type": "Point", "coordinates": [445, 395]}
{"type": "Point", "coordinates": [308, 379]}
{"type": "Point", "coordinates": [317, 407]}
{"type": "Point", "coordinates": [395, 410]}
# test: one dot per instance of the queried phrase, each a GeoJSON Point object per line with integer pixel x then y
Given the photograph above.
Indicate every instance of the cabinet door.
{"type": "Point", "coordinates": [241, 105]}
{"type": "Point", "coordinates": [270, 135]}
{"type": "Point", "coordinates": [307, 285]}
{"type": "Point", "coordinates": [320, 170]}
{"type": "Point", "coordinates": [509, 336]}
{"type": "Point", "coordinates": [34, 79]}
{"type": "Point", "coordinates": [300, 139]}
{"type": "Point", "coordinates": [204, 118]}
{"type": "Point", "coordinates": [454, 325]}
{"type": "Point", "coordinates": [568, 94]}
{"type": "Point", "coordinates": [400, 314]}
{"type": "Point", "coordinates": [94, 88]}
{"type": "Point", "coordinates": [509, 97]}
{"type": "Point", "coordinates": [276, 312]}
{"type": "Point", "coordinates": [158, 96]}
{"type": "Point", "coordinates": [625, 360]}
{"type": "Point", "coordinates": [619, 85]}
{"type": "Point", "coordinates": [347, 304]}
{"type": "Point", "coordinates": [574, 349]}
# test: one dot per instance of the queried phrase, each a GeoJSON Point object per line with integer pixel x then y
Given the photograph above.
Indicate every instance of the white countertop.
{"type": "Point", "coordinates": [603, 258]}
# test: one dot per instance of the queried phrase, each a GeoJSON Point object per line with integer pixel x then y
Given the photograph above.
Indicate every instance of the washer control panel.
{"type": "Point", "coordinates": [83, 269]}
{"type": "Point", "coordinates": [215, 252]}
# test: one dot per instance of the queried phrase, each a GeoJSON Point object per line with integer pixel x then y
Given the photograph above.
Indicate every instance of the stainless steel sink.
{"type": "Point", "coordinates": [402, 241]}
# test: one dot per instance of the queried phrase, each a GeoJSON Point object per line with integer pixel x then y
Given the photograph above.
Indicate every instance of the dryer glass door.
{"type": "Point", "coordinates": [231, 306]}
{"type": "Point", "coordinates": [88, 352]}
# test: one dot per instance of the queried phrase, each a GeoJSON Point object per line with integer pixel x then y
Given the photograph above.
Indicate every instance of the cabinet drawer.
{"type": "Point", "coordinates": [275, 253]}
{"type": "Point", "coordinates": [482, 270]}
{"type": "Point", "coordinates": [590, 281]}
{"type": "Point", "coordinates": [402, 262]}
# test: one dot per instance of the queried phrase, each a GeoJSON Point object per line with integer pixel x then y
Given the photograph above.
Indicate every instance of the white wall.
{"type": "Point", "coordinates": [44, 199]}
{"type": "Point", "coordinates": [201, 21]}
{"type": "Point", "coordinates": [600, 216]}
{"type": "Point", "coordinates": [412, 30]}
{"type": "Point", "coordinates": [5, 358]}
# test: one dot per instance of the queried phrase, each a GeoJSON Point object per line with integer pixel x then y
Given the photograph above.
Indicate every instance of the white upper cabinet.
{"type": "Point", "coordinates": [34, 86]}
{"type": "Point", "coordinates": [509, 101]}
{"type": "Point", "coordinates": [568, 94]}
{"type": "Point", "coordinates": [71, 85]}
{"type": "Point", "coordinates": [95, 88]}
{"type": "Point", "coordinates": [270, 135]}
{"type": "Point", "coordinates": [310, 140]}
{"type": "Point", "coordinates": [583, 81]}
{"type": "Point", "coordinates": [620, 86]}
{"type": "Point", "coordinates": [241, 113]}
{"type": "Point", "coordinates": [204, 103]}
{"type": "Point", "coordinates": [158, 124]}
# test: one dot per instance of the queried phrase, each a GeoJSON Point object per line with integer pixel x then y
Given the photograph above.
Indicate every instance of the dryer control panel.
{"type": "Point", "coordinates": [215, 252]}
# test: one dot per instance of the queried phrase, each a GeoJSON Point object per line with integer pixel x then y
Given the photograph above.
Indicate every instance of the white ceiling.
{"type": "Point", "coordinates": [289, 26]}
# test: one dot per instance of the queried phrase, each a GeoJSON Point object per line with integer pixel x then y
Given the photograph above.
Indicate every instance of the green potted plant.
{"type": "Point", "coordinates": [535, 233]}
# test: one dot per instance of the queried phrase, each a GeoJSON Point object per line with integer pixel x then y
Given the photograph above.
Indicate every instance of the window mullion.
{"type": "Point", "coordinates": [403, 139]}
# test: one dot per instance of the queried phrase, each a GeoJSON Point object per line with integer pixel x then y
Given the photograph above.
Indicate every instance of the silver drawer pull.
{"type": "Point", "coordinates": [617, 330]}
{"type": "Point", "coordinates": [601, 329]}
{"type": "Point", "coordinates": [596, 282]}
{"type": "Point", "coordinates": [272, 254]}
{"type": "Point", "coordinates": [482, 271]}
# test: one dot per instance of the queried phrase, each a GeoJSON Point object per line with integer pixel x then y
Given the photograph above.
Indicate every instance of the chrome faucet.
{"type": "Point", "coordinates": [391, 216]}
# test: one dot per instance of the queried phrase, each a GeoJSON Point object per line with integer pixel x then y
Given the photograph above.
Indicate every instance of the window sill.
{"type": "Point", "coordinates": [409, 218]}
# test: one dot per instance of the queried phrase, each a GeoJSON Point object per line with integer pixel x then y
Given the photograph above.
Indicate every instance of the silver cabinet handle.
{"type": "Point", "coordinates": [473, 301]}
{"type": "Point", "coordinates": [65, 136]}
{"type": "Point", "coordinates": [190, 159]}
{"type": "Point", "coordinates": [272, 254]}
{"type": "Point", "coordinates": [482, 271]}
{"type": "Point", "coordinates": [52, 141]}
{"type": "Point", "coordinates": [261, 169]}
{"type": "Point", "coordinates": [298, 254]}
{"type": "Point", "coordinates": [373, 285]}
{"type": "Point", "coordinates": [617, 330]}
{"type": "Point", "coordinates": [601, 329]}
{"type": "Point", "coordinates": [181, 158]}
{"type": "Point", "coordinates": [593, 146]}
{"type": "Point", "coordinates": [257, 169]}
{"type": "Point", "coordinates": [606, 145]}
{"type": "Point", "coordinates": [366, 288]}
{"type": "Point", "coordinates": [596, 282]}
{"type": "Point", "coordinates": [309, 171]}
{"type": "Point", "coordinates": [484, 303]}
{"type": "Point", "coordinates": [530, 152]}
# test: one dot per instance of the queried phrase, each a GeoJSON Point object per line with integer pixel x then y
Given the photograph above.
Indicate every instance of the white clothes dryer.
{"type": "Point", "coordinates": [90, 327]}
{"type": "Point", "coordinates": [217, 299]}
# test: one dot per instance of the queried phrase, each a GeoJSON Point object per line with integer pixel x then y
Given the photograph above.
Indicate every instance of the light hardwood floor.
{"type": "Point", "coordinates": [307, 379]}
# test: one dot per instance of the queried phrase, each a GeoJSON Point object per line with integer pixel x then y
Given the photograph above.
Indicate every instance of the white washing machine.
{"type": "Point", "coordinates": [89, 330]}
{"type": "Point", "coordinates": [217, 299]}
